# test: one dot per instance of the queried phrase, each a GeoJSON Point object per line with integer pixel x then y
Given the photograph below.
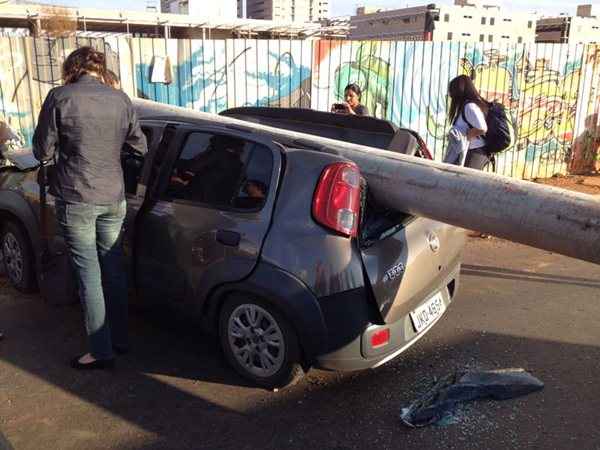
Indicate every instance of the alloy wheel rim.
{"type": "Point", "coordinates": [256, 340]}
{"type": "Point", "coordinates": [13, 257]}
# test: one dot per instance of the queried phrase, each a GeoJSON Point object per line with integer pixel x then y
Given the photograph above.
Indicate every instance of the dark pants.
{"type": "Point", "coordinates": [477, 158]}
{"type": "Point", "coordinates": [94, 239]}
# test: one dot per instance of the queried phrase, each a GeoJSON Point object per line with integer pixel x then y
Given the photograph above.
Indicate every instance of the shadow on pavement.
{"type": "Point", "coordinates": [522, 275]}
{"type": "Point", "coordinates": [177, 392]}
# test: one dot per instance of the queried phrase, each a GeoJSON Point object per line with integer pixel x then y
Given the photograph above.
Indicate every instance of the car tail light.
{"type": "Point", "coordinates": [336, 203]}
{"type": "Point", "coordinates": [380, 338]}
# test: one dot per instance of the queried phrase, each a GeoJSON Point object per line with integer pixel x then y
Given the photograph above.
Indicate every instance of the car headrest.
{"type": "Point", "coordinates": [403, 142]}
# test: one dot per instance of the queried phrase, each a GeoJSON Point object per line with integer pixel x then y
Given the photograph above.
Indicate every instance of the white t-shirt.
{"type": "Point", "coordinates": [476, 118]}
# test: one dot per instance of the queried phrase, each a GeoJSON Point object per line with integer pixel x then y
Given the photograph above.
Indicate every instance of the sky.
{"type": "Point", "coordinates": [348, 7]}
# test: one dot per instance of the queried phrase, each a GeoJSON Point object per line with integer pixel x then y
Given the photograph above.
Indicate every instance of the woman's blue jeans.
{"type": "Point", "coordinates": [93, 235]}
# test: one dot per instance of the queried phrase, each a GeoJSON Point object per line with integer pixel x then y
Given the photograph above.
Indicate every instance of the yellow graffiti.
{"type": "Point", "coordinates": [544, 119]}
{"type": "Point", "coordinates": [493, 80]}
{"type": "Point", "coordinates": [542, 102]}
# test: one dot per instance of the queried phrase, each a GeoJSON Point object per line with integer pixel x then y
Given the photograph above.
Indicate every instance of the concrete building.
{"type": "Point", "coordinates": [466, 20]}
{"type": "Point", "coordinates": [407, 24]}
{"type": "Point", "coordinates": [584, 28]}
{"type": "Point", "coordinates": [219, 10]}
{"type": "Point", "coordinates": [28, 19]}
{"type": "Point", "coordinates": [289, 10]}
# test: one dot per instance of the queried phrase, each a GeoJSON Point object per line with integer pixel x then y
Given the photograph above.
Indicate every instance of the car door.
{"type": "Point", "coordinates": [136, 173]}
{"type": "Point", "coordinates": [207, 212]}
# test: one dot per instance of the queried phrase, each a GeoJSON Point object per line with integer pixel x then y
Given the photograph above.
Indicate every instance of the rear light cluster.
{"type": "Point", "coordinates": [380, 338]}
{"type": "Point", "coordinates": [336, 203]}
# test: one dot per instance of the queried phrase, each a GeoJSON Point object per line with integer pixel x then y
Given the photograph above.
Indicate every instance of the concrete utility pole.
{"type": "Point", "coordinates": [521, 211]}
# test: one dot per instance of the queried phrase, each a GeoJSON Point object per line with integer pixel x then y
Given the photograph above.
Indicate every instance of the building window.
{"type": "Point", "coordinates": [483, 21]}
{"type": "Point", "coordinates": [446, 17]}
{"type": "Point", "coordinates": [468, 17]}
{"type": "Point", "coordinates": [520, 40]}
{"type": "Point", "coordinates": [406, 20]}
{"type": "Point", "coordinates": [491, 38]}
{"type": "Point", "coordinates": [505, 37]}
{"type": "Point", "coordinates": [481, 38]}
{"type": "Point", "coordinates": [450, 36]}
{"type": "Point", "coordinates": [507, 20]}
{"type": "Point", "coordinates": [529, 24]}
{"type": "Point", "coordinates": [492, 21]}
{"type": "Point", "coordinates": [466, 34]}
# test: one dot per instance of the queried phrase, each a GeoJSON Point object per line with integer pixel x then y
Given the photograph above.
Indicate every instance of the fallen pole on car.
{"type": "Point", "coordinates": [540, 216]}
{"type": "Point", "coordinates": [537, 215]}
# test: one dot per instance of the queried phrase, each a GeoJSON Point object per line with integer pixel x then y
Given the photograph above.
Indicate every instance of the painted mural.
{"type": "Point", "coordinates": [551, 91]}
{"type": "Point", "coordinates": [29, 68]}
{"type": "Point", "coordinates": [215, 75]}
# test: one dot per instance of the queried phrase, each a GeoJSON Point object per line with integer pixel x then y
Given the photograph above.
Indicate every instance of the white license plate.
{"type": "Point", "coordinates": [428, 312]}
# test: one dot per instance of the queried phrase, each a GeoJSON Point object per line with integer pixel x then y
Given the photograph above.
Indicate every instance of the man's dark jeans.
{"type": "Point", "coordinates": [93, 235]}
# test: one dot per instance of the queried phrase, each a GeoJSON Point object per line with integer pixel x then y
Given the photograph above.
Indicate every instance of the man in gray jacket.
{"type": "Point", "coordinates": [84, 126]}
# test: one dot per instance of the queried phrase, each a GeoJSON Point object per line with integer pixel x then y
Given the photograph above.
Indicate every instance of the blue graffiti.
{"type": "Point", "coordinates": [201, 82]}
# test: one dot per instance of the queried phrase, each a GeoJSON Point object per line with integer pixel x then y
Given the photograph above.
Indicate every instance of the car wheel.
{"type": "Point", "coordinates": [17, 258]}
{"type": "Point", "coordinates": [259, 342]}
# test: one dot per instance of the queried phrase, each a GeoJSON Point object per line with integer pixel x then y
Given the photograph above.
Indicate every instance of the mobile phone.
{"type": "Point", "coordinates": [339, 107]}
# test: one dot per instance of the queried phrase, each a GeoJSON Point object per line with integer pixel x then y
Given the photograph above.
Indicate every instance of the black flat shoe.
{"type": "Point", "coordinates": [101, 364]}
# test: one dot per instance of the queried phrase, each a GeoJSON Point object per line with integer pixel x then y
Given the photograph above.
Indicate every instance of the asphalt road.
{"type": "Point", "coordinates": [517, 307]}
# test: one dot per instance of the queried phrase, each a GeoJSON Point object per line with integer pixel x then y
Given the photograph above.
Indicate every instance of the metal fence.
{"type": "Point", "coordinates": [551, 90]}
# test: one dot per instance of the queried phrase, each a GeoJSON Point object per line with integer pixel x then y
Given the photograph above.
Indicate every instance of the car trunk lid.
{"type": "Point", "coordinates": [406, 258]}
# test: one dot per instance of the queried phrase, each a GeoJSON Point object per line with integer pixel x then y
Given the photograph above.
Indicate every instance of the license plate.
{"type": "Point", "coordinates": [428, 312]}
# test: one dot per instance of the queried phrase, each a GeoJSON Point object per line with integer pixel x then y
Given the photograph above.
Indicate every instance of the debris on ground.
{"type": "Point", "coordinates": [466, 386]}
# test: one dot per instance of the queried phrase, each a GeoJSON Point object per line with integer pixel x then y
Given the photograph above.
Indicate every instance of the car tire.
{"type": "Point", "coordinates": [249, 328]}
{"type": "Point", "coordinates": [17, 258]}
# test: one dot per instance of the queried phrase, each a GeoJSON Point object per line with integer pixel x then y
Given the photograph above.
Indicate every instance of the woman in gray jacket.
{"type": "Point", "coordinates": [84, 126]}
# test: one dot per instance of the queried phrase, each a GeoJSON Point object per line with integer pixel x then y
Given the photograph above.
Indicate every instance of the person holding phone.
{"type": "Point", "coordinates": [352, 104]}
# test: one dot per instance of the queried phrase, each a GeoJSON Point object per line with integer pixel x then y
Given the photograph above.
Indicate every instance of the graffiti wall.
{"type": "Point", "coordinates": [212, 76]}
{"type": "Point", "coordinates": [552, 92]}
{"type": "Point", "coordinates": [29, 68]}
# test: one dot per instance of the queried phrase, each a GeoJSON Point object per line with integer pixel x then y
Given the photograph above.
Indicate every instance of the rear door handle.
{"type": "Point", "coordinates": [229, 238]}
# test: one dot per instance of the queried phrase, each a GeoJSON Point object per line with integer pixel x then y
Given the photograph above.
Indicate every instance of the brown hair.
{"type": "Point", "coordinates": [83, 61]}
{"type": "Point", "coordinates": [111, 79]}
{"type": "Point", "coordinates": [462, 90]}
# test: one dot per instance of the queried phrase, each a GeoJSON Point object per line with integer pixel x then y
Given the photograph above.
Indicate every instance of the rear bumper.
{"type": "Point", "coordinates": [357, 354]}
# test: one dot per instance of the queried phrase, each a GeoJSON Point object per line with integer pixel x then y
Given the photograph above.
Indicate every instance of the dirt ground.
{"type": "Point", "coordinates": [587, 184]}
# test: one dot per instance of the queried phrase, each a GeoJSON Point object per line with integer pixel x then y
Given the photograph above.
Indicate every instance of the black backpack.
{"type": "Point", "coordinates": [497, 137]}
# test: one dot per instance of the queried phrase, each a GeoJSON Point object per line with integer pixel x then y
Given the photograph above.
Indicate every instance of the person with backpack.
{"type": "Point", "coordinates": [468, 112]}
{"type": "Point", "coordinates": [485, 124]}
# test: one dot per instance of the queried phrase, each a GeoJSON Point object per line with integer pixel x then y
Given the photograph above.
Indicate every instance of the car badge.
{"type": "Point", "coordinates": [434, 242]}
